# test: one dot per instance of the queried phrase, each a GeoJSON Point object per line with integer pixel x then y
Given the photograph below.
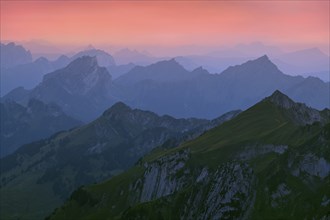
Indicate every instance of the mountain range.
{"type": "Point", "coordinates": [81, 89]}
{"type": "Point", "coordinates": [167, 88]}
{"type": "Point", "coordinates": [12, 55]}
{"type": "Point", "coordinates": [49, 170]}
{"type": "Point", "coordinates": [304, 62]}
{"type": "Point", "coordinates": [28, 74]}
{"type": "Point", "coordinates": [125, 56]}
{"type": "Point", "coordinates": [21, 125]}
{"type": "Point", "coordinates": [272, 161]}
{"type": "Point", "coordinates": [84, 90]}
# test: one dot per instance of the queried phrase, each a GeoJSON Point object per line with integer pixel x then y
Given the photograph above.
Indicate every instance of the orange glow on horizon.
{"type": "Point", "coordinates": [166, 23]}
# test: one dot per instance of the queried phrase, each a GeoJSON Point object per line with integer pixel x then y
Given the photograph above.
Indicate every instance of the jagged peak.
{"type": "Point", "coordinates": [80, 67]}
{"type": "Point", "coordinates": [262, 65]}
{"type": "Point", "coordinates": [299, 112]}
{"type": "Point", "coordinates": [263, 58]}
{"type": "Point", "coordinates": [281, 99]}
{"type": "Point", "coordinates": [200, 70]}
{"type": "Point", "coordinates": [168, 63]}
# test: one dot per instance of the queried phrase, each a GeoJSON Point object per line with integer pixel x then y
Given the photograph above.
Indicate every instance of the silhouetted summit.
{"type": "Point", "coordinates": [281, 99]}
{"type": "Point", "coordinates": [118, 107]}
{"type": "Point", "coordinates": [13, 55]}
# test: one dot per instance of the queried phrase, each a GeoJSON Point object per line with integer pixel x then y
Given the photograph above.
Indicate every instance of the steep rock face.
{"type": "Point", "coordinates": [312, 165]}
{"type": "Point", "coordinates": [159, 178]}
{"type": "Point", "coordinates": [225, 192]}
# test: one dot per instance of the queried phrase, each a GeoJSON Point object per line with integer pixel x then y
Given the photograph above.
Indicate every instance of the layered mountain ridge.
{"type": "Point", "coordinates": [81, 89]}
{"type": "Point", "coordinates": [167, 88]}
{"type": "Point", "coordinates": [21, 125]}
{"type": "Point", "coordinates": [54, 167]}
{"type": "Point", "coordinates": [261, 164]}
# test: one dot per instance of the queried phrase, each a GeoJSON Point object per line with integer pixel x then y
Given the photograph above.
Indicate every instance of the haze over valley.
{"type": "Point", "coordinates": [164, 110]}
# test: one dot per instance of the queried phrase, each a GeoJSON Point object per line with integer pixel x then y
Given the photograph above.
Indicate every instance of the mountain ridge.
{"type": "Point", "coordinates": [256, 165]}
{"type": "Point", "coordinates": [93, 152]}
{"type": "Point", "coordinates": [21, 125]}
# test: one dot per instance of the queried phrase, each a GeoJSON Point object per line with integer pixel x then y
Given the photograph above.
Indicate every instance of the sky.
{"type": "Point", "coordinates": [167, 24]}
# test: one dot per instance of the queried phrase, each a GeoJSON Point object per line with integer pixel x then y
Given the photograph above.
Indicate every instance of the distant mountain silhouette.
{"type": "Point", "coordinates": [103, 58]}
{"type": "Point", "coordinates": [307, 62]}
{"type": "Point", "coordinates": [162, 71]}
{"type": "Point", "coordinates": [167, 88]}
{"type": "Point", "coordinates": [21, 125]}
{"type": "Point", "coordinates": [84, 90]}
{"type": "Point", "coordinates": [125, 56]}
{"type": "Point", "coordinates": [81, 89]}
{"type": "Point", "coordinates": [118, 70]}
{"type": "Point", "coordinates": [27, 75]}
{"type": "Point", "coordinates": [30, 74]}
{"type": "Point", "coordinates": [13, 55]}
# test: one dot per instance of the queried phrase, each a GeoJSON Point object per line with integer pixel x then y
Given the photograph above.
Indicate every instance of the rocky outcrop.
{"type": "Point", "coordinates": [312, 165]}
{"type": "Point", "coordinates": [160, 177]}
{"type": "Point", "coordinates": [298, 112]}
{"type": "Point", "coordinates": [222, 193]}
{"type": "Point", "coordinates": [251, 152]}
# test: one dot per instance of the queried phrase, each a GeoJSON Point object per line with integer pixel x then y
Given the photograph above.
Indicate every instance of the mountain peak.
{"type": "Point", "coordinates": [103, 58]}
{"type": "Point", "coordinates": [281, 99]}
{"type": "Point", "coordinates": [263, 58]}
{"type": "Point", "coordinates": [298, 112]}
{"type": "Point", "coordinates": [260, 67]}
{"type": "Point", "coordinates": [84, 61]}
{"type": "Point", "coordinates": [118, 107]}
{"type": "Point", "coordinates": [171, 62]}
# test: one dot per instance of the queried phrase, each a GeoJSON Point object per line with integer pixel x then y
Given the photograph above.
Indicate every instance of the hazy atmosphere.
{"type": "Point", "coordinates": [164, 110]}
{"type": "Point", "coordinates": [165, 28]}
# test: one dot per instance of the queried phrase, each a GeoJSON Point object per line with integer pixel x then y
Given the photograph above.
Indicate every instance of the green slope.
{"type": "Point", "coordinates": [264, 164]}
{"type": "Point", "coordinates": [42, 175]}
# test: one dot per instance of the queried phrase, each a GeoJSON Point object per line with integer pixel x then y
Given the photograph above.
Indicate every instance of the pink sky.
{"type": "Point", "coordinates": [284, 23]}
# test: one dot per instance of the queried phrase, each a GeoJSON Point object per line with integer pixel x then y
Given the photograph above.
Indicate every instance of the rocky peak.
{"type": "Point", "coordinates": [117, 108]}
{"type": "Point", "coordinates": [102, 57]}
{"type": "Point", "coordinates": [200, 70]}
{"type": "Point", "coordinates": [281, 100]}
{"type": "Point", "coordinates": [82, 76]}
{"type": "Point", "coordinates": [168, 64]}
{"type": "Point", "coordinates": [260, 67]}
{"type": "Point", "coordinates": [84, 62]}
{"type": "Point", "coordinates": [298, 112]}
{"type": "Point", "coordinates": [263, 61]}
